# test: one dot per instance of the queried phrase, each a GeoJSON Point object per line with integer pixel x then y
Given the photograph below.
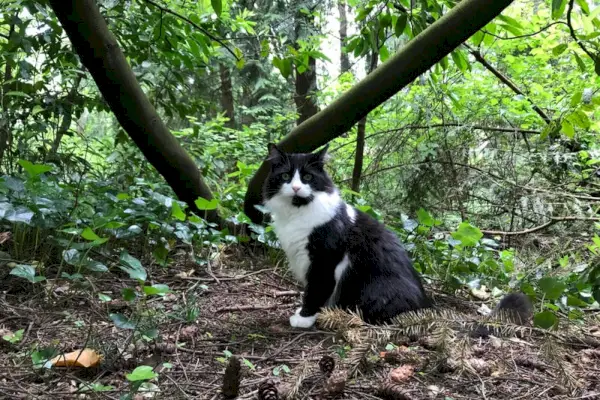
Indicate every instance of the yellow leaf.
{"type": "Point", "coordinates": [85, 358]}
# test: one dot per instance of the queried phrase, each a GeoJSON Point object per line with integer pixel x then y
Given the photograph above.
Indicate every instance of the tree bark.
{"type": "Point", "coordinates": [227, 95]}
{"type": "Point", "coordinates": [360, 136]}
{"type": "Point", "coordinates": [306, 81]}
{"type": "Point", "coordinates": [344, 58]}
{"type": "Point", "coordinates": [420, 54]}
{"type": "Point", "coordinates": [67, 116]}
{"type": "Point", "coordinates": [100, 53]}
{"type": "Point", "coordinates": [6, 125]}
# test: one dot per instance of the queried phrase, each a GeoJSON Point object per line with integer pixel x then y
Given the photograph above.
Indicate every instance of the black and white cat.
{"type": "Point", "coordinates": [343, 256]}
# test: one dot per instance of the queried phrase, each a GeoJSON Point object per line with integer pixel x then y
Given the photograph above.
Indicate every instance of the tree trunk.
{"type": "Point", "coordinates": [420, 54]}
{"type": "Point", "coordinates": [6, 125]}
{"type": "Point", "coordinates": [360, 136]}
{"type": "Point", "coordinates": [227, 95]}
{"type": "Point", "coordinates": [100, 53]}
{"type": "Point", "coordinates": [306, 81]}
{"type": "Point", "coordinates": [344, 58]}
{"type": "Point", "coordinates": [67, 117]}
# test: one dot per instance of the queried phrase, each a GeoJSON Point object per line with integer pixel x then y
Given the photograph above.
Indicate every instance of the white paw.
{"type": "Point", "coordinates": [298, 321]}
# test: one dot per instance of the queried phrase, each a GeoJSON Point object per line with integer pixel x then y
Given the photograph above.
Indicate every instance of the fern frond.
{"type": "Point", "coordinates": [357, 357]}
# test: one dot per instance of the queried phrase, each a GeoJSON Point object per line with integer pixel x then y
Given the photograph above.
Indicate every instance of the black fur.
{"type": "Point", "coordinates": [517, 307]}
{"type": "Point", "coordinates": [380, 281]}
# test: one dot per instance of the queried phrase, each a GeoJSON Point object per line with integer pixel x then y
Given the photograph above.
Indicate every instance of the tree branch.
{"type": "Point", "coordinates": [207, 33]}
{"type": "Point", "coordinates": [506, 80]}
{"type": "Point", "coordinates": [525, 35]}
{"type": "Point", "coordinates": [420, 54]}
{"type": "Point", "coordinates": [552, 221]}
{"type": "Point", "coordinates": [574, 35]}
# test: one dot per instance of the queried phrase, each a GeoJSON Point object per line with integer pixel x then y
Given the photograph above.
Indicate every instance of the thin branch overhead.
{"type": "Point", "coordinates": [195, 25]}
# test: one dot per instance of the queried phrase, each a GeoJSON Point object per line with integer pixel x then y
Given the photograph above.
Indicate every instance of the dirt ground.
{"type": "Point", "coordinates": [242, 310]}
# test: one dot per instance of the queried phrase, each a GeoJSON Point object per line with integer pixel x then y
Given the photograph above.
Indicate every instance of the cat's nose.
{"type": "Point", "coordinates": [296, 188]}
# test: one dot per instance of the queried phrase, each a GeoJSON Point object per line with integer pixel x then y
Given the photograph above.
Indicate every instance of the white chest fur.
{"type": "Point", "coordinates": [293, 226]}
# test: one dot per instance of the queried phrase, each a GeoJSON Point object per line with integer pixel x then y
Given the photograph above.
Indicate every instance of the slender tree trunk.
{"type": "Point", "coordinates": [101, 55]}
{"type": "Point", "coordinates": [6, 125]}
{"type": "Point", "coordinates": [67, 116]}
{"type": "Point", "coordinates": [306, 81]}
{"type": "Point", "coordinates": [360, 136]}
{"type": "Point", "coordinates": [227, 95]}
{"type": "Point", "coordinates": [344, 58]}
{"type": "Point", "coordinates": [420, 54]}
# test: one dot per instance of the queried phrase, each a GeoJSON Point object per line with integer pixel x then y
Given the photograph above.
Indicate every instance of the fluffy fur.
{"type": "Point", "coordinates": [343, 256]}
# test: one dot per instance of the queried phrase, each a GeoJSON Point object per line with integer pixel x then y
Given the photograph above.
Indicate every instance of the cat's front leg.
{"type": "Point", "coordinates": [316, 293]}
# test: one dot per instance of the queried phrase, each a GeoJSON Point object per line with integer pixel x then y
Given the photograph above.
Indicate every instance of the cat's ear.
{"type": "Point", "coordinates": [322, 154]}
{"type": "Point", "coordinates": [274, 153]}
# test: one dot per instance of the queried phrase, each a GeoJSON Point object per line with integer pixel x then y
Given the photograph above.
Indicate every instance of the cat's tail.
{"type": "Point", "coordinates": [514, 308]}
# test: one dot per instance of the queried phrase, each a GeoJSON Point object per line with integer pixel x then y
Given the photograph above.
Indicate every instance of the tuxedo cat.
{"type": "Point", "coordinates": [344, 257]}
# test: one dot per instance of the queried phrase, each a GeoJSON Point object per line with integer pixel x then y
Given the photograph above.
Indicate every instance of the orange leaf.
{"type": "Point", "coordinates": [81, 358]}
{"type": "Point", "coordinates": [402, 373]}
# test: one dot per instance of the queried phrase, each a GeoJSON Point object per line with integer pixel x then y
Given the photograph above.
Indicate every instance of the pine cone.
{"type": "Point", "coordinates": [335, 384]}
{"type": "Point", "coordinates": [267, 391]}
{"type": "Point", "coordinates": [390, 390]}
{"type": "Point", "coordinates": [327, 365]}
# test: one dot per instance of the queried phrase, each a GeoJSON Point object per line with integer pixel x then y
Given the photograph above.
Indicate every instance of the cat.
{"type": "Point", "coordinates": [342, 256]}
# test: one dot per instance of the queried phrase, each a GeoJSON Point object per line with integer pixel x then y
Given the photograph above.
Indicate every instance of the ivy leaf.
{"type": "Point", "coordinates": [141, 373]}
{"type": "Point", "coordinates": [205, 205]}
{"type": "Point", "coordinates": [425, 218]}
{"type": "Point", "coordinates": [34, 170]}
{"type": "Point", "coordinates": [177, 211]}
{"type": "Point", "coordinates": [128, 294]}
{"type": "Point", "coordinates": [88, 234]}
{"type": "Point", "coordinates": [132, 266]}
{"type": "Point", "coordinates": [551, 287]}
{"type": "Point", "coordinates": [545, 319]}
{"type": "Point", "coordinates": [468, 234]}
{"type": "Point", "coordinates": [157, 289]}
{"type": "Point", "coordinates": [26, 272]}
{"type": "Point", "coordinates": [217, 6]}
{"type": "Point", "coordinates": [122, 321]}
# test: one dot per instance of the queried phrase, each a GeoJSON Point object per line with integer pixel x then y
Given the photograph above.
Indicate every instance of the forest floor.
{"type": "Point", "coordinates": [243, 310]}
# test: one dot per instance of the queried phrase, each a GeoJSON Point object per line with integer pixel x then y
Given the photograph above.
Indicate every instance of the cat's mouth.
{"type": "Point", "coordinates": [302, 201]}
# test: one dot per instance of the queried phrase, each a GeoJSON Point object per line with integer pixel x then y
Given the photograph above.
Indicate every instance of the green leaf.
{"type": "Point", "coordinates": [576, 98]}
{"type": "Point", "coordinates": [122, 321]}
{"type": "Point", "coordinates": [460, 60]}
{"type": "Point", "coordinates": [132, 266]}
{"type": "Point", "coordinates": [400, 24]}
{"type": "Point", "coordinates": [128, 294]}
{"type": "Point", "coordinates": [584, 6]}
{"type": "Point", "coordinates": [34, 170]}
{"type": "Point", "coordinates": [177, 212]}
{"type": "Point", "coordinates": [558, 50]}
{"type": "Point", "coordinates": [205, 205]}
{"type": "Point", "coordinates": [551, 287]}
{"type": "Point", "coordinates": [26, 272]}
{"type": "Point", "coordinates": [567, 129]}
{"type": "Point", "coordinates": [217, 6]}
{"type": "Point", "coordinates": [580, 62]}
{"type": "Point", "coordinates": [425, 218]}
{"type": "Point", "coordinates": [14, 337]}
{"type": "Point", "coordinates": [558, 8]}
{"type": "Point", "coordinates": [384, 54]}
{"type": "Point", "coordinates": [141, 373]}
{"type": "Point", "coordinates": [88, 234]}
{"type": "Point", "coordinates": [103, 297]}
{"type": "Point", "coordinates": [468, 234]}
{"type": "Point", "coordinates": [17, 94]}
{"type": "Point", "coordinates": [157, 289]}
{"type": "Point", "coordinates": [545, 319]}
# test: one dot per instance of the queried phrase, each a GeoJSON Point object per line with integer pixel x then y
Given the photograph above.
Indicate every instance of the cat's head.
{"type": "Point", "coordinates": [296, 176]}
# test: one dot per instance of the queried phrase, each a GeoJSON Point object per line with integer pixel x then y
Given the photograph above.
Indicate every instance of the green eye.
{"type": "Point", "coordinates": [307, 177]}
{"type": "Point", "coordinates": [285, 176]}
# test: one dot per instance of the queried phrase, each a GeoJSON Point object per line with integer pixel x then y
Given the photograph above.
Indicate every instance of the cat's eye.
{"type": "Point", "coordinates": [307, 177]}
{"type": "Point", "coordinates": [285, 176]}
